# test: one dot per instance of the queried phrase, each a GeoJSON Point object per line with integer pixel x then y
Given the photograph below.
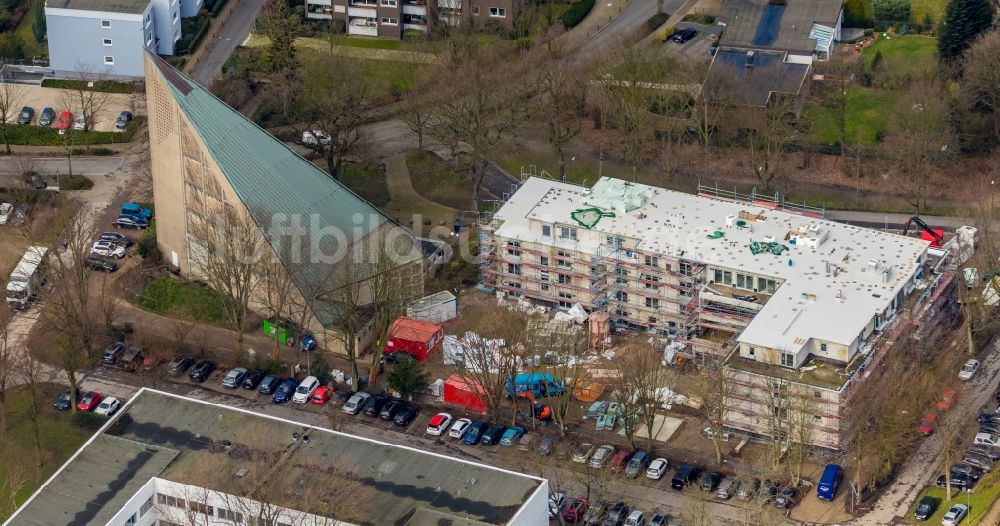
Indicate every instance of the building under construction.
{"type": "Point", "coordinates": [797, 306]}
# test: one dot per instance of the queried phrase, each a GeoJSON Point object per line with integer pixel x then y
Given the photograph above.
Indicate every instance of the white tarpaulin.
{"type": "Point", "coordinates": [664, 427]}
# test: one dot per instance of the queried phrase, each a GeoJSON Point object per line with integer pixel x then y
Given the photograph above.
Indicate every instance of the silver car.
{"type": "Point", "coordinates": [601, 456]}
{"type": "Point", "coordinates": [356, 402]}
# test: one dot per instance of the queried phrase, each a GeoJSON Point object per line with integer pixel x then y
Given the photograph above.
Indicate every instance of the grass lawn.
{"type": "Point", "coordinates": [867, 115]}
{"type": "Point", "coordinates": [367, 43]}
{"type": "Point", "coordinates": [912, 54]}
{"type": "Point", "coordinates": [384, 76]}
{"type": "Point", "coordinates": [368, 181]}
{"type": "Point", "coordinates": [60, 437]}
{"type": "Point", "coordinates": [433, 179]}
{"type": "Point", "coordinates": [979, 502]}
{"type": "Point", "coordinates": [165, 295]}
{"type": "Point", "coordinates": [31, 47]}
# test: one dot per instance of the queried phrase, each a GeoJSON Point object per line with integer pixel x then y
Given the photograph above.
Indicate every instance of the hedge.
{"type": "Point", "coordinates": [110, 86]}
{"type": "Point", "coordinates": [217, 6]}
{"type": "Point", "coordinates": [189, 40]}
{"type": "Point", "coordinates": [576, 13]}
{"type": "Point", "coordinates": [44, 136]}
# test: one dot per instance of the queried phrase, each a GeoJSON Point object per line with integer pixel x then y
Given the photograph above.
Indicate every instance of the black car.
{"type": "Point", "coordinates": [253, 379]}
{"type": "Point", "coordinates": [958, 481]}
{"type": "Point", "coordinates": [99, 264]}
{"type": "Point", "coordinates": [112, 353]}
{"type": "Point", "coordinates": [925, 508]}
{"type": "Point", "coordinates": [35, 180]}
{"type": "Point", "coordinates": [683, 35]}
{"type": "Point", "coordinates": [389, 410]}
{"type": "Point", "coordinates": [127, 221]}
{"type": "Point", "coordinates": [616, 514]}
{"type": "Point", "coordinates": [117, 238]}
{"type": "Point", "coordinates": [406, 415]}
{"type": "Point", "coordinates": [179, 364]}
{"type": "Point", "coordinates": [26, 116]}
{"type": "Point", "coordinates": [493, 434]}
{"type": "Point", "coordinates": [686, 474]}
{"type": "Point", "coordinates": [710, 480]}
{"type": "Point", "coordinates": [964, 469]}
{"type": "Point", "coordinates": [786, 498]}
{"type": "Point", "coordinates": [988, 417]}
{"type": "Point", "coordinates": [48, 115]}
{"type": "Point", "coordinates": [986, 451]}
{"type": "Point", "coordinates": [202, 370]}
{"type": "Point", "coordinates": [284, 391]}
{"type": "Point", "coordinates": [269, 384]}
{"type": "Point", "coordinates": [123, 119]}
{"type": "Point", "coordinates": [374, 405]}
{"type": "Point", "coordinates": [64, 402]}
{"type": "Point", "coordinates": [340, 398]}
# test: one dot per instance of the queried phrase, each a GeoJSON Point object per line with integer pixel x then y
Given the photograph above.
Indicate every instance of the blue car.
{"type": "Point", "coordinates": [308, 344]}
{"type": "Point", "coordinates": [285, 391]}
{"type": "Point", "coordinates": [475, 432]}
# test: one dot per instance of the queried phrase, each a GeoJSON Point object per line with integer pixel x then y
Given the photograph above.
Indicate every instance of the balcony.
{"type": "Point", "coordinates": [363, 26]}
{"type": "Point", "coordinates": [363, 3]}
{"type": "Point", "coordinates": [361, 13]}
{"type": "Point", "coordinates": [318, 11]}
{"type": "Point", "coordinates": [418, 10]}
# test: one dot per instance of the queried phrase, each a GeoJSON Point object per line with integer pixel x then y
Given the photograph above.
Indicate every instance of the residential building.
{"type": "Point", "coordinates": [773, 290]}
{"type": "Point", "coordinates": [171, 460]}
{"type": "Point", "coordinates": [101, 38]}
{"type": "Point", "coordinates": [391, 18]}
{"type": "Point", "coordinates": [209, 162]}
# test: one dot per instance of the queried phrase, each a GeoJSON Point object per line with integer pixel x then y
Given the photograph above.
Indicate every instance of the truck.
{"type": "Point", "coordinates": [136, 210]}
{"type": "Point", "coordinates": [27, 278]}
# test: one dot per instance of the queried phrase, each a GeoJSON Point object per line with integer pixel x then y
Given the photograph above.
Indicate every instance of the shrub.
{"type": "Point", "coordinates": [667, 33]}
{"type": "Point", "coordinates": [76, 182]}
{"type": "Point", "coordinates": [109, 86]}
{"type": "Point", "coordinates": [217, 6]}
{"type": "Point", "coordinates": [855, 14]}
{"type": "Point", "coordinates": [147, 245]}
{"type": "Point", "coordinates": [656, 21]}
{"type": "Point", "coordinates": [892, 10]}
{"type": "Point", "coordinates": [576, 13]}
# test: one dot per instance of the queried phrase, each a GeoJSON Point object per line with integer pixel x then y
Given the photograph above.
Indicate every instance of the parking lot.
{"type": "Point", "coordinates": [110, 104]}
{"type": "Point", "coordinates": [698, 47]}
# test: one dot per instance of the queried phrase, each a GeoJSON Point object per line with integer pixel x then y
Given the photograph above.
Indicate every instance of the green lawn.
{"type": "Point", "coordinates": [385, 77]}
{"type": "Point", "coordinates": [31, 47]}
{"type": "Point", "coordinates": [367, 43]}
{"type": "Point", "coordinates": [368, 181]}
{"type": "Point", "coordinates": [166, 295]}
{"type": "Point", "coordinates": [436, 181]}
{"type": "Point", "coordinates": [913, 54]}
{"type": "Point", "coordinates": [59, 438]}
{"type": "Point", "coordinates": [49, 136]}
{"type": "Point", "coordinates": [867, 115]}
{"type": "Point", "coordinates": [979, 502]}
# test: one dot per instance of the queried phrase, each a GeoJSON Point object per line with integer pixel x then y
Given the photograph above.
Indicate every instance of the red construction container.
{"type": "Point", "coordinates": [414, 337]}
{"type": "Point", "coordinates": [457, 392]}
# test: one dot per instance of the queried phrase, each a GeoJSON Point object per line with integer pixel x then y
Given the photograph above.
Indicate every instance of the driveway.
{"type": "Point", "coordinates": [697, 47]}
{"type": "Point", "coordinates": [630, 20]}
{"type": "Point", "coordinates": [235, 30]}
{"type": "Point", "coordinates": [38, 98]}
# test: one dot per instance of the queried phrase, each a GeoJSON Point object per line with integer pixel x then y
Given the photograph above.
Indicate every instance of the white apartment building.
{"type": "Point", "coordinates": [790, 301]}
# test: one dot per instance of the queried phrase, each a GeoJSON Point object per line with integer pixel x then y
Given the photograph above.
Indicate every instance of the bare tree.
{"type": "Point", "coordinates": [282, 26]}
{"type": "Point", "coordinates": [771, 129]}
{"type": "Point", "coordinates": [11, 98]}
{"type": "Point", "coordinates": [493, 347]}
{"type": "Point", "coordinates": [86, 96]}
{"type": "Point", "coordinates": [981, 80]}
{"type": "Point", "coordinates": [717, 390]}
{"type": "Point", "coordinates": [560, 102]}
{"type": "Point", "coordinates": [31, 374]}
{"type": "Point", "coordinates": [13, 482]}
{"type": "Point", "coordinates": [561, 346]}
{"type": "Point", "coordinates": [8, 366]}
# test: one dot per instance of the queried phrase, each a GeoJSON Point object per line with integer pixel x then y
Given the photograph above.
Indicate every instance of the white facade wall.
{"type": "Point", "coordinates": [167, 23]}
{"type": "Point", "coordinates": [97, 42]}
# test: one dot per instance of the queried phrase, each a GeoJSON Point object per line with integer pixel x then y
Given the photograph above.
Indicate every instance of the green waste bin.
{"type": "Point", "coordinates": [283, 332]}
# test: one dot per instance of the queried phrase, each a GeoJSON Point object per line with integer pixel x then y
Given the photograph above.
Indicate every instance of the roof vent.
{"type": "Point", "coordinates": [750, 58]}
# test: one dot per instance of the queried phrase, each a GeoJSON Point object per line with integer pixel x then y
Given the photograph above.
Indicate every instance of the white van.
{"type": "Point", "coordinates": [987, 439]}
{"type": "Point", "coordinates": [305, 390]}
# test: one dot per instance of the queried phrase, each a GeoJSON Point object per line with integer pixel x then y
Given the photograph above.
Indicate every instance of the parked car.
{"type": "Point", "coordinates": [305, 390]}
{"type": "Point", "coordinates": [657, 469]}
{"type": "Point", "coordinates": [459, 427]}
{"type": "Point", "coordinates": [637, 464]}
{"type": "Point", "coordinates": [768, 489]}
{"type": "Point", "coordinates": [308, 343]}
{"type": "Point", "coordinates": [747, 489]}
{"type": "Point", "coordinates": [659, 520]}
{"type": "Point", "coordinates": [511, 436]}
{"type": "Point", "coordinates": [595, 513]}
{"type": "Point", "coordinates": [616, 514]}
{"type": "Point", "coordinates": [602, 455]}
{"type": "Point", "coordinates": [374, 405]}
{"type": "Point", "coordinates": [636, 518]}
{"type": "Point", "coordinates": [491, 436]}
{"type": "Point", "coordinates": [26, 116]}
{"type": "Point", "coordinates": [709, 481]}
{"type": "Point", "coordinates": [100, 264]}
{"type": "Point", "coordinates": [201, 371]}
{"type": "Point", "coordinates": [987, 439]}
{"type": "Point", "coordinates": [80, 123]}
{"type": "Point", "coordinates": [575, 510]}
{"type": "Point", "coordinates": [321, 395]}
{"type": "Point", "coordinates": [926, 425]}
{"type": "Point", "coordinates": [340, 397]}
{"type": "Point", "coordinates": [179, 364]}
{"type": "Point", "coordinates": [35, 180]}
{"type": "Point", "coordinates": [969, 369]}
{"type": "Point", "coordinates": [474, 432]}
{"type": "Point", "coordinates": [126, 221]}
{"type": "Point", "coordinates": [786, 498]}
{"type": "Point", "coordinates": [108, 407]}
{"type": "Point", "coordinates": [947, 399]}
{"type": "Point", "coordinates": [285, 391]}
{"type": "Point", "coordinates": [925, 508]}
{"type": "Point", "coordinates": [234, 378]}
{"type": "Point", "coordinates": [964, 469]}
{"type": "Point", "coordinates": [955, 514]}
{"type": "Point", "coordinates": [89, 401]}
{"type": "Point", "coordinates": [686, 474]}
{"type": "Point", "coordinates": [438, 423]}
{"type": "Point", "coordinates": [618, 461]}
{"type": "Point", "coordinates": [984, 418]}
{"type": "Point", "coordinates": [65, 401]}
{"type": "Point", "coordinates": [583, 452]}
{"type": "Point", "coordinates": [958, 482]}
{"type": "Point", "coordinates": [557, 501]}
{"type": "Point", "coordinates": [6, 209]}
{"type": "Point", "coordinates": [20, 214]}
{"type": "Point", "coordinates": [355, 403]}
{"type": "Point", "coordinates": [252, 379]}
{"type": "Point", "coordinates": [64, 122]}
{"type": "Point", "coordinates": [548, 445]}
{"type": "Point", "coordinates": [123, 119]}
{"type": "Point", "coordinates": [829, 481]}
{"type": "Point", "coordinates": [390, 408]}
{"type": "Point", "coordinates": [46, 117]}
{"type": "Point", "coordinates": [112, 353]}
{"type": "Point", "coordinates": [527, 442]}
{"type": "Point", "coordinates": [406, 415]}
{"type": "Point", "coordinates": [268, 384]}
{"type": "Point", "coordinates": [977, 461]}
{"type": "Point", "coordinates": [683, 35]}
{"type": "Point", "coordinates": [117, 238]}
{"type": "Point", "coordinates": [985, 451]}
{"type": "Point", "coordinates": [725, 489]}
{"type": "Point", "coordinates": [314, 137]}
{"type": "Point", "coordinates": [107, 249]}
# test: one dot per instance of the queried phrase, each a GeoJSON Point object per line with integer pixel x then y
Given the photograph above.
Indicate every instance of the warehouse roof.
{"type": "Point", "coordinates": [202, 444]}
{"type": "Point", "coordinates": [813, 259]}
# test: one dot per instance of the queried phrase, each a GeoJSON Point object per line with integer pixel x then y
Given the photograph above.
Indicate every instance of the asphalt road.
{"type": "Point", "coordinates": [49, 166]}
{"type": "Point", "coordinates": [232, 34]}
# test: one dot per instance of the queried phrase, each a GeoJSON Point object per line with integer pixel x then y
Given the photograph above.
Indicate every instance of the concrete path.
{"type": "Point", "coordinates": [235, 29]}
{"type": "Point", "coordinates": [405, 198]}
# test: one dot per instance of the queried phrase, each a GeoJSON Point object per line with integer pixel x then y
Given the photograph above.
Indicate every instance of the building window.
{"type": "Point", "coordinates": [766, 285]}
{"type": "Point", "coordinates": [685, 269]}
{"type": "Point", "coordinates": [545, 287]}
{"type": "Point", "coordinates": [652, 320]}
{"type": "Point", "coordinates": [229, 515]}
{"type": "Point", "coordinates": [388, 3]}
{"type": "Point", "coordinates": [107, 42]}
{"type": "Point", "coordinates": [498, 12]}
{"type": "Point", "coordinates": [131, 520]}
{"type": "Point", "coordinates": [395, 22]}
{"type": "Point", "coordinates": [822, 347]}
{"type": "Point", "coordinates": [566, 295]}
{"type": "Point", "coordinates": [544, 276]}
{"type": "Point", "coordinates": [652, 261]}
{"type": "Point", "coordinates": [562, 263]}
{"type": "Point", "coordinates": [817, 394]}
{"type": "Point", "coordinates": [566, 232]}
{"type": "Point", "coordinates": [621, 313]}
{"type": "Point", "coordinates": [475, 10]}
{"type": "Point", "coordinates": [169, 501]}
{"type": "Point", "coordinates": [744, 282]}
{"type": "Point", "coordinates": [787, 359]}
{"type": "Point", "coordinates": [105, 23]}
{"type": "Point", "coordinates": [514, 269]}
{"type": "Point", "coordinates": [543, 261]}
{"type": "Point", "coordinates": [110, 61]}
{"type": "Point", "coordinates": [546, 231]}
{"type": "Point", "coordinates": [750, 351]}
{"type": "Point", "coordinates": [565, 280]}
{"type": "Point", "coordinates": [653, 303]}
{"type": "Point", "coordinates": [621, 296]}
{"type": "Point", "coordinates": [146, 506]}
{"type": "Point", "coordinates": [616, 241]}
{"type": "Point", "coordinates": [199, 507]}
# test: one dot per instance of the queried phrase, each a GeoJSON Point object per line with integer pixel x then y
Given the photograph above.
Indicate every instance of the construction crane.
{"type": "Point", "coordinates": [936, 237]}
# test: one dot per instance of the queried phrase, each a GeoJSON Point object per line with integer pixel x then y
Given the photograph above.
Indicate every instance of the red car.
{"type": "Point", "coordinates": [65, 120]}
{"type": "Point", "coordinates": [926, 425]}
{"type": "Point", "coordinates": [947, 398]}
{"type": "Point", "coordinates": [321, 395]}
{"type": "Point", "coordinates": [90, 401]}
{"type": "Point", "coordinates": [617, 462]}
{"type": "Point", "coordinates": [576, 509]}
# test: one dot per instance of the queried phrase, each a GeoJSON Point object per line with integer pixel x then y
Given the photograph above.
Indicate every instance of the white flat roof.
{"type": "Point", "coordinates": [680, 225]}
